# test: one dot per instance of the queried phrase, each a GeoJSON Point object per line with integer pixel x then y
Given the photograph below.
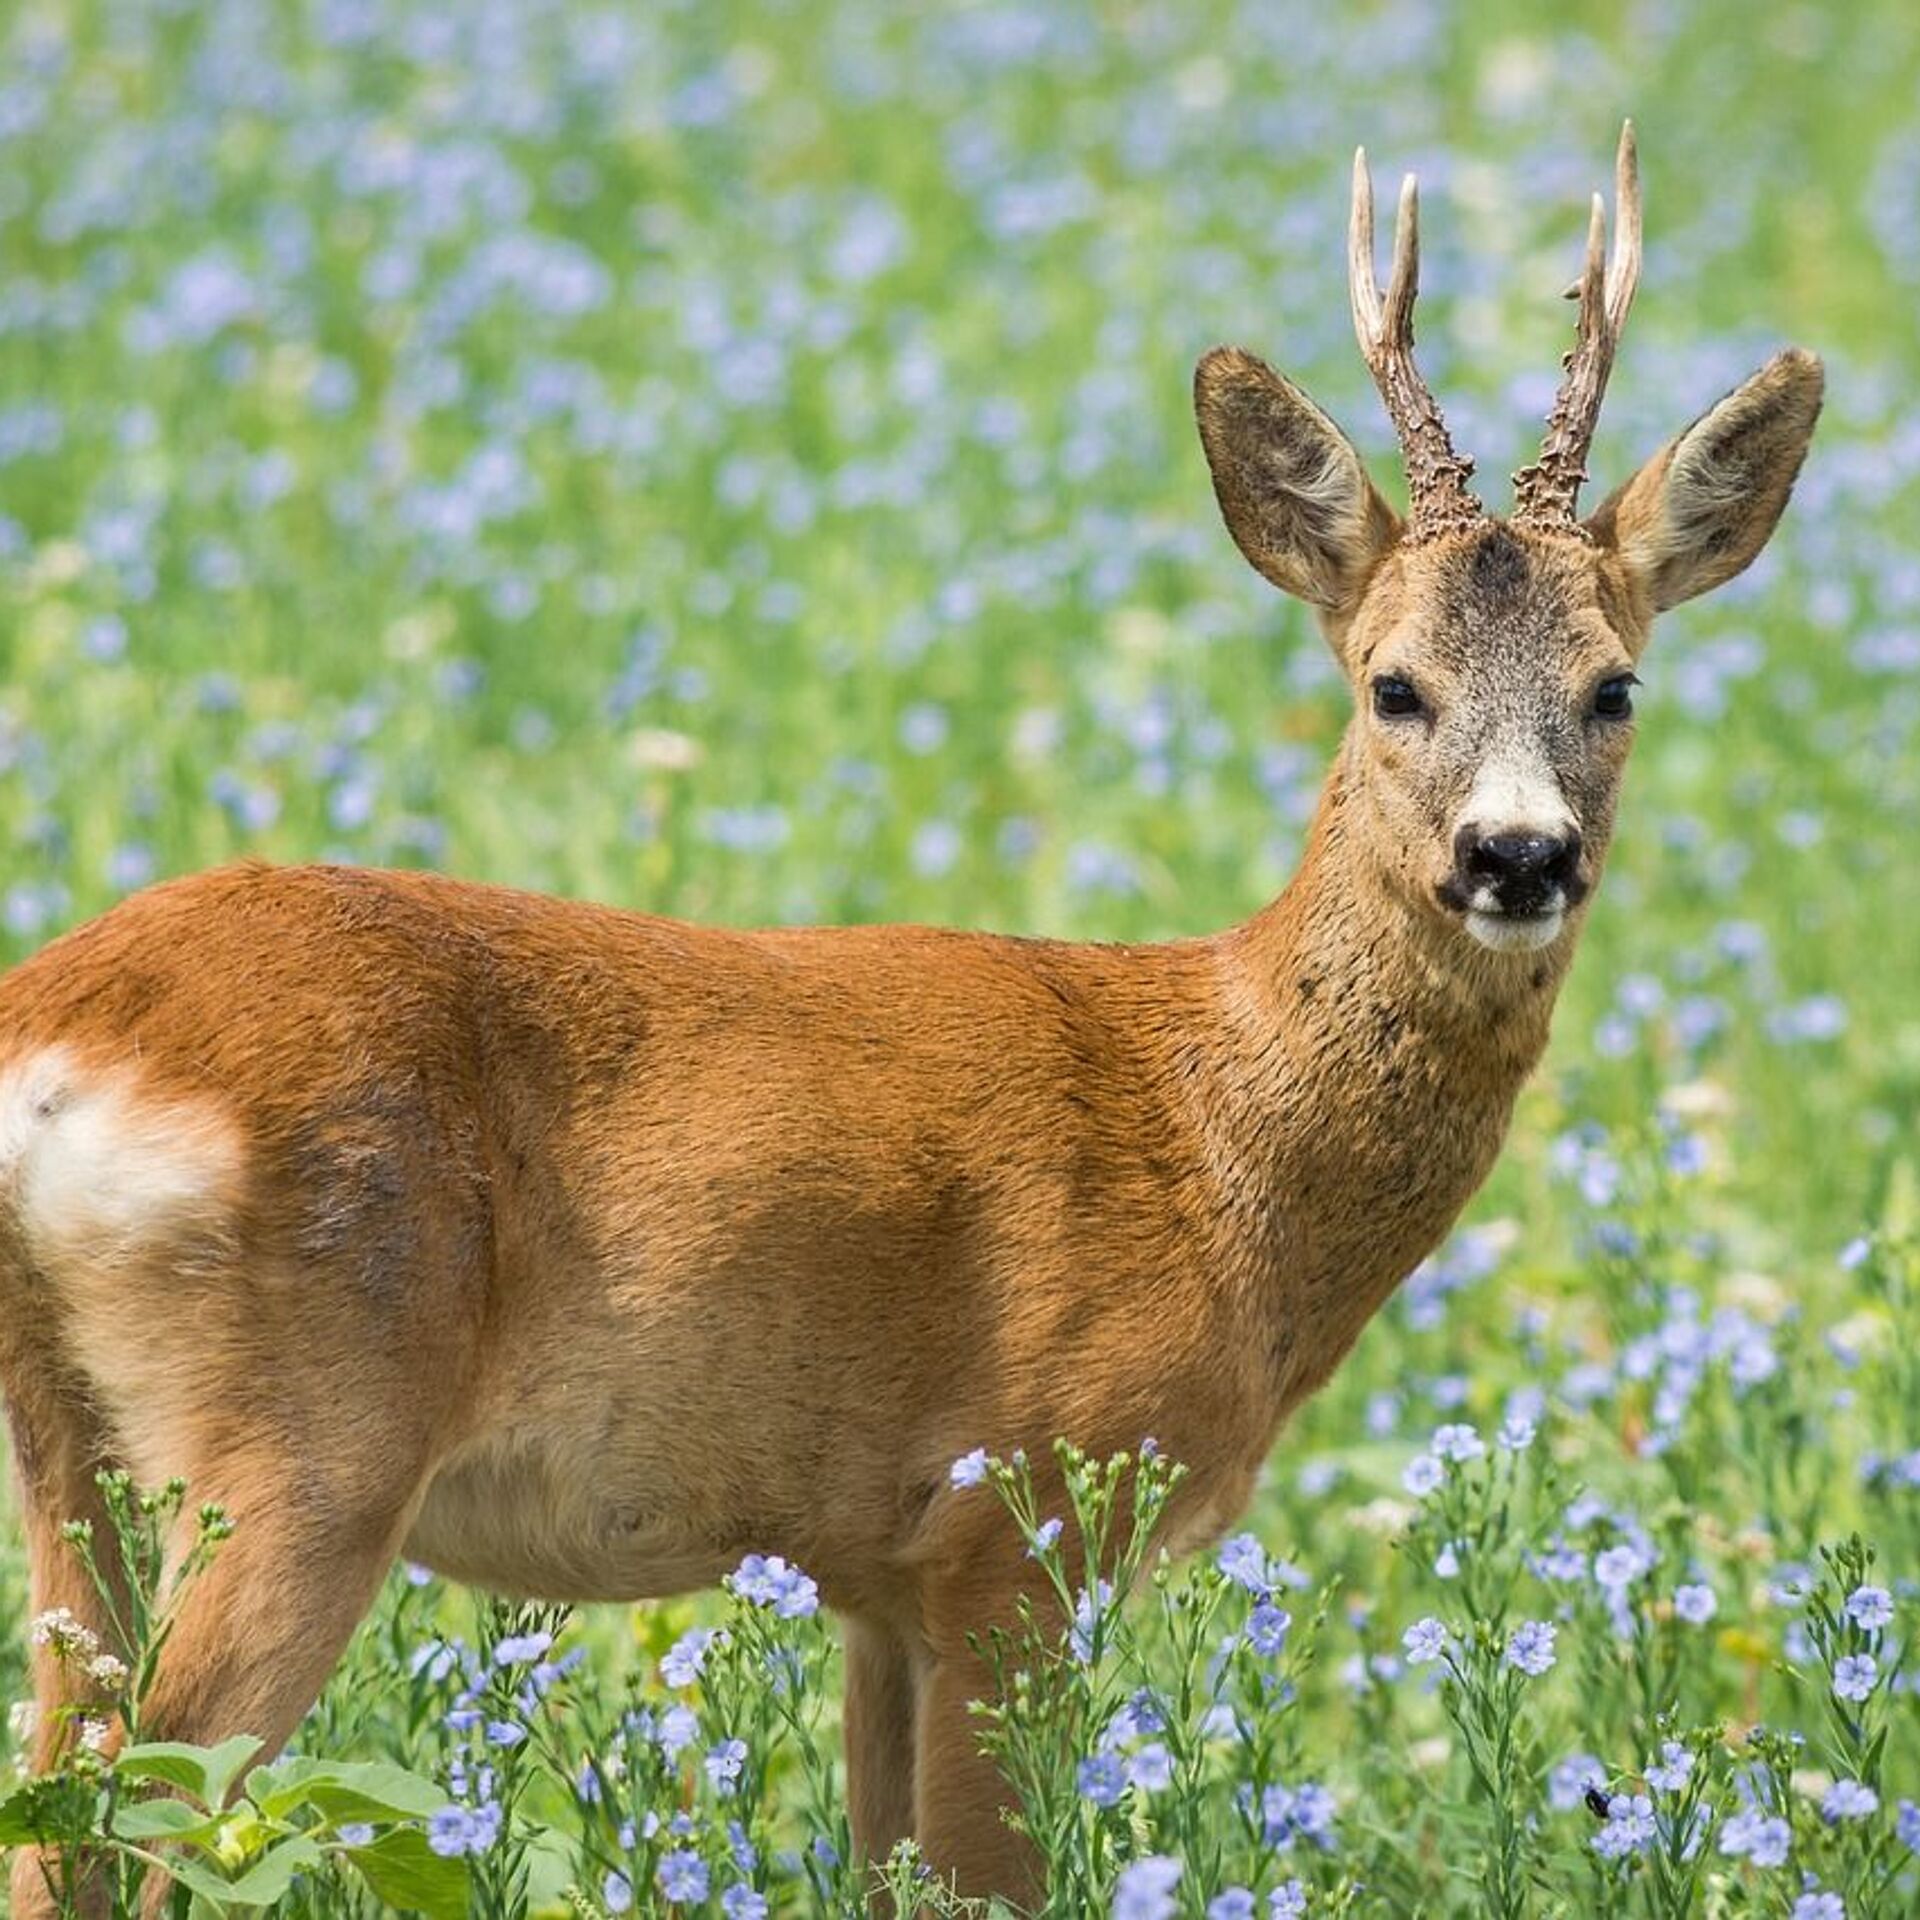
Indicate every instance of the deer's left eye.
{"type": "Point", "coordinates": [1613, 699]}
{"type": "Point", "coordinates": [1394, 698]}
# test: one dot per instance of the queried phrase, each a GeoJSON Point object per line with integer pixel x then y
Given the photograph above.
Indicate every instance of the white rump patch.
{"type": "Point", "coordinates": [95, 1169]}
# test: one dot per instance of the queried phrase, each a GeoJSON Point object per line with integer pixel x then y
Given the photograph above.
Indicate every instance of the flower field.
{"type": "Point", "coordinates": [737, 461]}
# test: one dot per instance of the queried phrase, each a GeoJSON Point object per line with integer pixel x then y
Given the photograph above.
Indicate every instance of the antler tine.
{"type": "Point", "coordinates": [1403, 279]}
{"type": "Point", "coordinates": [1362, 287]}
{"type": "Point", "coordinates": [1436, 474]}
{"type": "Point", "coordinates": [1546, 494]}
{"type": "Point", "coordinates": [1623, 276]}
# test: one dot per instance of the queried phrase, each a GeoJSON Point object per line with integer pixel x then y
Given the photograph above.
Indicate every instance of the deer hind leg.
{"type": "Point", "coordinates": [296, 1364]}
{"type": "Point", "coordinates": [879, 1736]}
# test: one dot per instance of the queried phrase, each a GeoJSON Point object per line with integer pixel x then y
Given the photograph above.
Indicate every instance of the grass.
{"type": "Point", "coordinates": [736, 461]}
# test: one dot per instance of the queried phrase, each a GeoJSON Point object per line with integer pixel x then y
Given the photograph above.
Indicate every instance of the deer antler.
{"type": "Point", "coordinates": [1545, 492]}
{"type": "Point", "coordinates": [1437, 475]}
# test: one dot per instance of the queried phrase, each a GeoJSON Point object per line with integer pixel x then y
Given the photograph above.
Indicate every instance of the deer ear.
{"type": "Point", "coordinates": [1700, 510]}
{"type": "Point", "coordinates": [1294, 494]}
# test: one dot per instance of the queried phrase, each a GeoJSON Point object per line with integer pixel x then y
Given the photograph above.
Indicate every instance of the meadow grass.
{"type": "Point", "coordinates": [736, 461]}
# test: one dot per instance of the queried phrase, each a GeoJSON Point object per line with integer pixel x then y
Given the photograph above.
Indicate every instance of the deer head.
{"type": "Point", "coordinates": [1493, 659]}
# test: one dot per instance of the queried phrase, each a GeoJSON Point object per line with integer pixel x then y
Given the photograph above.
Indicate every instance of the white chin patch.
{"type": "Point", "coordinates": [1505, 934]}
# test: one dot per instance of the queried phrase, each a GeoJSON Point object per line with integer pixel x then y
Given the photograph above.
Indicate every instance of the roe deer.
{"type": "Point", "coordinates": [575, 1252]}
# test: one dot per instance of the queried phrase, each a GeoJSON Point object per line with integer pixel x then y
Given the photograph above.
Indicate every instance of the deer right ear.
{"type": "Point", "coordinates": [1295, 495]}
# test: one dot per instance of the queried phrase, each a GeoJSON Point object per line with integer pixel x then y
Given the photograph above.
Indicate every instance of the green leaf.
{"type": "Point", "coordinates": [224, 1763]}
{"type": "Point", "coordinates": [204, 1772]}
{"type": "Point", "coordinates": [169, 1761]}
{"type": "Point", "coordinates": [164, 1820]}
{"type": "Point", "coordinates": [272, 1873]}
{"type": "Point", "coordinates": [405, 1872]}
{"type": "Point", "coordinates": [265, 1880]}
{"type": "Point", "coordinates": [344, 1790]}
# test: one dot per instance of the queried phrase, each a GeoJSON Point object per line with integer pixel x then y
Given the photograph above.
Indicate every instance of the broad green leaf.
{"type": "Point", "coordinates": [170, 1761]}
{"type": "Point", "coordinates": [264, 1881]}
{"type": "Point", "coordinates": [345, 1790]}
{"type": "Point", "coordinates": [164, 1820]}
{"type": "Point", "coordinates": [224, 1763]}
{"type": "Point", "coordinates": [405, 1872]}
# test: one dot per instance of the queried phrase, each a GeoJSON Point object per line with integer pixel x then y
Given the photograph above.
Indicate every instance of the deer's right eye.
{"type": "Point", "coordinates": [1394, 698]}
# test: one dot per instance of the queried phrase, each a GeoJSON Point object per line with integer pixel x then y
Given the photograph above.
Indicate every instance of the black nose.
{"type": "Point", "coordinates": [1522, 868]}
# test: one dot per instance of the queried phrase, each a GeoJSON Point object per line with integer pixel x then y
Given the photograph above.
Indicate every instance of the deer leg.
{"type": "Point", "coordinates": [259, 1629]}
{"type": "Point", "coordinates": [879, 1736]}
{"type": "Point", "coordinates": [960, 1795]}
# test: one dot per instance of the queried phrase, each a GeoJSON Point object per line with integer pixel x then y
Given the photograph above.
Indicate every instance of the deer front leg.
{"type": "Point", "coordinates": [879, 1722]}
{"type": "Point", "coordinates": [960, 1796]}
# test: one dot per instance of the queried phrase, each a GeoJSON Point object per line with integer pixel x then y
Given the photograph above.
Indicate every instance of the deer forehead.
{"type": "Point", "coordinates": [1498, 606]}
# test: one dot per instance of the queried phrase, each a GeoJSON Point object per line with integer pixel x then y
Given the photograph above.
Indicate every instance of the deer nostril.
{"type": "Point", "coordinates": [1505, 858]}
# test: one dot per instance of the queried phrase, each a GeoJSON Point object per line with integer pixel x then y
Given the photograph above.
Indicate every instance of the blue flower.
{"type": "Point", "coordinates": [1696, 1603]}
{"type": "Point", "coordinates": [1233, 1903]}
{"type": "Point", "coordinates": [1244, 1561]}
{"type": "Point", "coordinates": [1619, 1567]}
{"type": "Point", "coordinates": [616, 1893]}
{"type": "Point", "coordinates": [1816, 1905]}
{"type": "Point", "coordinates": [1849, 1800]}
{"type": "Point", "coordinates": [1145, 1890]}
{"type": "Point", "coordinates": [1424, 1641]}
{"type": "Point", "coordinates": [521, 1650]}
{"type": "Point", "coordinates": [1089, 1609]}
{"type": "Point", "coordinates": [1568, 1783]}
{"type": "Point", "coordinates": [1424, 1475]}
{"type": "Point", "coordinates": [1102, 1778]}
{"type": "Point", "coordinates": [1629, 1828]}
{"type": "Point", "coordinates": [1287, 1901]}
{"type": "Point", "coordinates": [1669, 1773]}
{"type": "Point", "coordinates": [1457, 1441]}
{"type": "Point", "coordinates": [742, 1903]}
{"type": "Point", "coordinates": [1870, 1608]}
{"type": "Point", "coordinates": [1756, 1836]}
{"type": "Point", "coordinates": [1855, 1675]}
{"type": "Point", "coordinates": [1151, 1768]}
{"type": "Point", "coordinates": [447, 1832]}
{"type": "Point", "coordinates": [682, 1663]}
{"type": "Point", "coordinates": [723, 1764]}
{"type": "Point", "coordinates": [1267, 1629]}
{"type": "Point", "coordinates": [1906, 1825]}
{"type": "Point", "coordinates": [679, 1728]}
{"type": "Point", "coordinates": [682, 1876]}
{"type": "Point", "coordinates": [970, 1469]}
{"type": "Point", "coordinates": [766, 1580]}
{"type": "Point", "coordinates": [1531, 1647]}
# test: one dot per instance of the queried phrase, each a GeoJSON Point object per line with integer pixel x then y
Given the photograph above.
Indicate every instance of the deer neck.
{"type": "Point", "coordinates": [1374, 1056]}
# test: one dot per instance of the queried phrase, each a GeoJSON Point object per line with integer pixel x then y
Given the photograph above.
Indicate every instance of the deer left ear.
{"type": "Point", "coordinates": [1700, 510]}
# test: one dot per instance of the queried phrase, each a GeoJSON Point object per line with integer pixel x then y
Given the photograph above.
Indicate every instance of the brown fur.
{"type": "Point", "coordinates": [578, 1252]}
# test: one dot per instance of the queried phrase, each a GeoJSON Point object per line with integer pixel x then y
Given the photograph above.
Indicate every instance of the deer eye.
{"type": "Point", "coordinates": [1394, 698]}
{"type": "Point", "coordinates": [1613, 699]}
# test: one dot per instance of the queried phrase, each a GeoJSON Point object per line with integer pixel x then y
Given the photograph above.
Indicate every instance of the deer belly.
{"type": "Point", "coordinates": [543, 1515]}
